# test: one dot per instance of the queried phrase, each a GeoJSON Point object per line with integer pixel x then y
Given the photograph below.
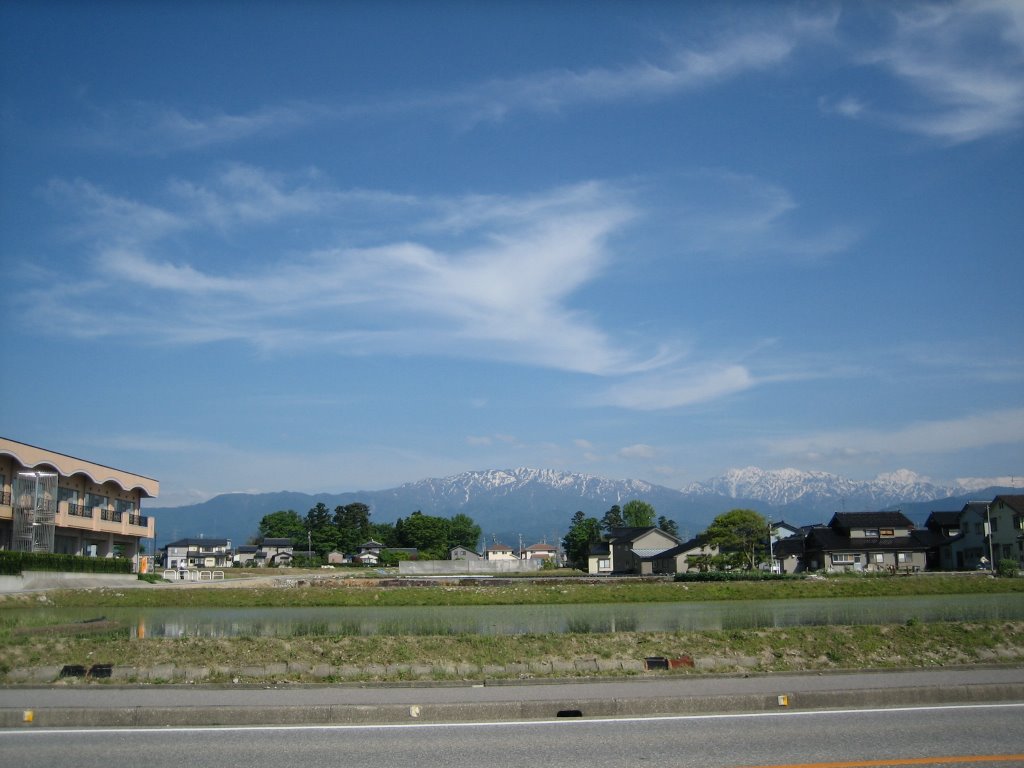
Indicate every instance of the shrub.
{"type": "Point", "coordinates": [1007, 568]}
{"type": "Point", "coordinates": [14, 563]}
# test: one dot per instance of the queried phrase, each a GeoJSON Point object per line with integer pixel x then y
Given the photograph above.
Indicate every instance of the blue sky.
{"type": "Point", "coordinates": [341, 246]}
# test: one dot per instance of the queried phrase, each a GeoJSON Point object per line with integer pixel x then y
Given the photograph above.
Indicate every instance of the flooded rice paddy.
{"type": "Point", "coordinates": [542, 619]}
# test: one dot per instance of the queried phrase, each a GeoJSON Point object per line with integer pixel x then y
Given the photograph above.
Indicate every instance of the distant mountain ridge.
{"type": "Point", "coordinates": [537, 504]}
{"type": "Point", "coordinates": [785, 487]}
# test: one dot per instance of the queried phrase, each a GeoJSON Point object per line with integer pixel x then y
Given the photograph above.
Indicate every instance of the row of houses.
{"type": "Point", "coordinates": [977, 536]}
{"type": "Point", "coordinates": [218, 553]}
{"type": "Point", "coordinates": [498, 551]}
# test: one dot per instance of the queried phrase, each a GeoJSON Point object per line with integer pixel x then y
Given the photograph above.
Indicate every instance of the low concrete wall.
{"type": "Point", "coordinates": [62, 580]}
{"type": "Point", "coordinates": [466, 567]}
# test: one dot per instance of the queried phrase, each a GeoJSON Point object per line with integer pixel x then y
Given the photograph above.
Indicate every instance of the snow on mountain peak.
{"type": "Point", "coordinates": [789, 486]}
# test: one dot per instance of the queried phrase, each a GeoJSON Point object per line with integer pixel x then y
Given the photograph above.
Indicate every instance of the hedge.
{"type": "Point", "coordinates": [14, 563]}
{"type": "Point", "coordinates": [733, 576]}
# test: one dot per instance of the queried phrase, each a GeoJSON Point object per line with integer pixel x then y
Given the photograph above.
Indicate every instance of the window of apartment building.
{"type": "Point", "coordinates": [878, 557]}
{"type": "Point", "coordinates": [1007, 550]}
{"type": "Point", "coordinates": [871, 533]}
{"type": "Point", "coordinates": [977, 528]}
{"type": "Point", "coordinates": [70, 495]}
{"type": "Point", "coordinates": [845, 558]}
{"type": "Point", "coordinates": [1018, 520]}
{"type": "Point", "coordinates": [994, 524]}
{"type": "Point", "coordinates": [604, 565]}
{"type": "Point", "coordinates": [887, 532]}
{"type": "Point", "coordinates": [96, 500]}
{"type": "Point", "coordinates": [903, 557]}
{"type": "Point", "coordinates": [123, 507]}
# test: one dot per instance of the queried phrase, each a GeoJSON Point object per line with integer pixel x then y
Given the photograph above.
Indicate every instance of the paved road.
{"type": "Point", "coordinates": [976, 735]}
{"type": "Point", "coordinates": [181, 705]}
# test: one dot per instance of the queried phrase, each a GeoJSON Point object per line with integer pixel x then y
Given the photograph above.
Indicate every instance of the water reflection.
{"type": "Point", "coordinates": [544, 619]}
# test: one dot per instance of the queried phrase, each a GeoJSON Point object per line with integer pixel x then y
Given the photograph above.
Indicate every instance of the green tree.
{"type": "Point", "coordinates": [742, 532]}
{"type": "Point", "coordinates": [385, 533]}
{"type": "Point", "coordinates": [426, 533]}
{"type": "Point", "coordinates": [638, 514]}
{"type": "Point", "coordinates": [322, 534]}
{"type": "Point", "coordinates": [283, 524]}
{"type": "Point", "coordinates": [352, 522]}
{"type": "Point", "coordinates": [463, 532]}
{"type": "Point", "coordinates": [612, 519]}
{"type": "Point", "coordinates": [668, 526]}
{"type": "Point", "coordinates": [583, 533]}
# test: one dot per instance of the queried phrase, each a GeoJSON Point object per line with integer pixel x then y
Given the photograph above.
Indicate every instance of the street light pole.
{"type": "Point", "coordinates": [988, 523]}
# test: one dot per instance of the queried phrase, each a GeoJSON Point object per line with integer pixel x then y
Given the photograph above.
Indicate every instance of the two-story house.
{"type": "Point", "coordinates": [1006, 516]}
{"type": "Point", "coordinates": [499, 551]}
{"type": "Point", "coordinates": [275, 551]}
{"type": "Point", "coordinates": [630, 550]}
{"type": "Point", "coordinates": [868, 541]}
{"type": "Point", "coordinates": [541, 551]}
{"type": "Point", "coordinates": [966, 549]}
{"type": "Point", "coordinates": [198, 553]}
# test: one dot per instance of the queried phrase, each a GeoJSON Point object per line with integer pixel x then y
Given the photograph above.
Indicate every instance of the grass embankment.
{"type": "Point", "coordinates": [313, 590]}
{"type": "Point", "coordinates": [912, 644]}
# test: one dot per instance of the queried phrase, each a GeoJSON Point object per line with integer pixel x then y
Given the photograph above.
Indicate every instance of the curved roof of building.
{"type": "Point", "coordinates": [33, 458]}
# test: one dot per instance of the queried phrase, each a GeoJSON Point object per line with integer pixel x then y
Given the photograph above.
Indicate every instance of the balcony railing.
{"type": "Point", "coordinates": [5, 497]}
{"type": "Point", "coordinates": [79, 510]}
{"type": "Point", "coordinates": [110, 515]}
{"type": "Point", "coordinates": [140, 520]}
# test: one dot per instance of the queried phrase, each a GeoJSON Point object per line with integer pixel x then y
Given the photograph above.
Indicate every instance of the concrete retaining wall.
{"type": "Point", "coordinates": [29, 580]}
{"type": "Point", "coordinates": [466, 567]}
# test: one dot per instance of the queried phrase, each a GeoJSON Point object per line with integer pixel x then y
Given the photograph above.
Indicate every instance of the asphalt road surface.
{"type": "Point", "coordinates": [971, 735]}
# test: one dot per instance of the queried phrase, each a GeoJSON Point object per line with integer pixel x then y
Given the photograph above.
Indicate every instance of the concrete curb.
{"type": "Point", "coordinates": [503, 711]}
{"type": "Point", "coordinates": [302, 672]}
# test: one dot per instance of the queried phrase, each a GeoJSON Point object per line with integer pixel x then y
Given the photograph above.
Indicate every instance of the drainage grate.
{"type": "Point", "coordinates": [72, 670]}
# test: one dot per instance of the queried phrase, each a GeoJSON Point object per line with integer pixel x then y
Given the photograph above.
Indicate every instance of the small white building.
{"type": "Point", "coordinates": [498, 551]}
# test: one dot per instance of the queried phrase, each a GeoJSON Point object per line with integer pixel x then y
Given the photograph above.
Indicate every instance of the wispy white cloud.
{"type": "Point", "coordinates": [734, 215]}
{"type": "Point", "coordinates": [682, 68]}
{"type": "Point", "coordinates": [963, 64]}
{"type": "Point", "coordinates": [677, 388]}
{"type": "Point", "coordinates": [142, 127]}
{"type": "Point", "coordinates": [1001, 427]}
{"type": "Point", "coordinates": [484, 278]}
{"type": "Point", "coordinates": [763, 42]}
{"type": "Point", "coordinates": [638, 451]}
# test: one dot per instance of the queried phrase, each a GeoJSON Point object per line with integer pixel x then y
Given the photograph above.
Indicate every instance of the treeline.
{"type": "Point", "coordinates": [349, 526]}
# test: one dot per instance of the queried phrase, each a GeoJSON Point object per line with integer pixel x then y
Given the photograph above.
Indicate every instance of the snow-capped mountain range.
{"type": "Point", "coordinates": [783, 487]}
{"type": "Point", "coordinates": [537, 504]}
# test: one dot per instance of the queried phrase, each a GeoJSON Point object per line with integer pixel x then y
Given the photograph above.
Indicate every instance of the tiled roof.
{"type": "Point", "coordinates": [829, 540]}
{"type": "Point", "coordinates": [629, 533]}
{"type": "Point", "coordinates": [199, 543]}
{"type": "Point", "coordinates": [943, 520]}
{"type": "Point", "coordinates": [686, 546]}
{"type": "Point", "coordinates": [870, 520]}
{"type": "Point", "coordinates": [792, 545]}
{"type": "Point", "coordinates": [652, 552]}
{"type": "Point", "coordinates": [1013, 501]}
